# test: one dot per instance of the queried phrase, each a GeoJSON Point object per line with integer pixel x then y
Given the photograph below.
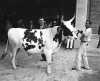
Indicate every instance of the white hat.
{"type": "Point", "coordinates": [42, 19]}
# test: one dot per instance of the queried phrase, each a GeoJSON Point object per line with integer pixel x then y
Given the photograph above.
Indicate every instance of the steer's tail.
{"type": "Point", "coordinates": [5, 52]}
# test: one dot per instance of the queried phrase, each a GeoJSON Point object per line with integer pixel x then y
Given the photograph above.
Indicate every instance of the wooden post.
{"type": "Point", "coordinates": [81, 17]}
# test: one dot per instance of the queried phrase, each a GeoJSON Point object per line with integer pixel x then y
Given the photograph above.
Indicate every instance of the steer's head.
{"type": "Point", "coordinates": [68, 28]}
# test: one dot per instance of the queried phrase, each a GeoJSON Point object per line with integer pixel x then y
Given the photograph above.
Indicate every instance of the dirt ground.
{"type": "Point", "coordinates": [30, 68]}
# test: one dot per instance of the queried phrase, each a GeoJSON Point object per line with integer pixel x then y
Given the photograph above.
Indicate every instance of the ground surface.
{"type": "Point", "coordinates": [32, 69]}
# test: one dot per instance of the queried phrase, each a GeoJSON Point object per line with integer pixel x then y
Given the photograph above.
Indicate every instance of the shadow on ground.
{"type": "Point", "coordinates": [90, 77]}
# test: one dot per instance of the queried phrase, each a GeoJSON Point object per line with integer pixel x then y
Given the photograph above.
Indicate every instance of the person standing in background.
{"type": "Point", "coordinates": [31, 24]}
{"type": "Point", "coordinates": [98, 46]}
{"type": "Point", "coordinates": [42, 23]}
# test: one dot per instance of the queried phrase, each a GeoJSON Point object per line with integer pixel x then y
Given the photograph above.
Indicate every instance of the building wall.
{"type": "Point", "coordinates": [95, 15]}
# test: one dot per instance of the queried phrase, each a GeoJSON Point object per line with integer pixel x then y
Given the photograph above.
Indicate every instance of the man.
{"type": "Point", "coordinates": [42, 23]}
{"type": "Point", "coordinates": [82, 52]}
{"type": "Point", "coordinates": [31, 24]}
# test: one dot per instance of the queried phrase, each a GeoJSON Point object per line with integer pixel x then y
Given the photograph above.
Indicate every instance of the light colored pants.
{"type": "Point", "coordinates": [81, 57]}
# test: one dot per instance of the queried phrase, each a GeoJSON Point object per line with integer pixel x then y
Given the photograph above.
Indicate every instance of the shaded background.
{"type": "Point", "coordinates": [13, 10]}
{"type": "Point", "coordinates": [39, 7]}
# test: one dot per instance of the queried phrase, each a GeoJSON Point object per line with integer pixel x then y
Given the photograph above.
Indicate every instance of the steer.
{"type": "Point", "coordinates": [35, 41]}
{"type": "Point", "coordinates": [68, 38]}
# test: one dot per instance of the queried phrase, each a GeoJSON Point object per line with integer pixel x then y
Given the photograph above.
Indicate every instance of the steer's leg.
{"type": "Point", "coordinates": [49, 58]}
{"type": "Point", "coordinates": [13, 58]}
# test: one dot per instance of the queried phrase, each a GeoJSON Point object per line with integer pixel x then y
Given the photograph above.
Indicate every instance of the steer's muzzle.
{"type": "Point", "coordinates": [74, 35]}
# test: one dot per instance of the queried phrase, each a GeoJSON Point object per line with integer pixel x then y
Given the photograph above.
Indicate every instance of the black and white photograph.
{"type": "Point", "coordinates": [49, 40]}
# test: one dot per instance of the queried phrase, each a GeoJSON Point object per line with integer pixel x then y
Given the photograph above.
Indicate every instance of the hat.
{"type": "Point", "coordinates": [42, 19]}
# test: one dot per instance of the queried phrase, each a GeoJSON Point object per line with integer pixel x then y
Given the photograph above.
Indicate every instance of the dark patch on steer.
{"type": "Point", "coordinates": [30, 36]}
{"type": "Point", "coordinates": [28, 46]}
{"type": "Point", "coordinates": [58, 36]}
{"type": "Point", "coordinates": [40, 41]}
{"type": "Point", "coordinates": [39, 47]}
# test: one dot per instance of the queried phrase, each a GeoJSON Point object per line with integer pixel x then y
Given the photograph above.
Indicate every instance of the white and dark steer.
{"type": "Point", "coordinates": [35, 41]}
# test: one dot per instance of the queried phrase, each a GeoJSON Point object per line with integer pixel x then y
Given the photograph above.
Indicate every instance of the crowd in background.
{"type": "Point", "coordinates": [12, 19]}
